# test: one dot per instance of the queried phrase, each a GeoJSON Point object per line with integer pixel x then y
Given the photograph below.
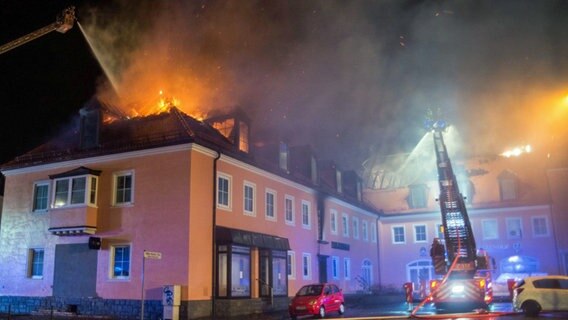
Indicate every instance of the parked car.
{"type": "Point", "coordinates": [544, 293]}
{"type": "Point", "coordinates": [317, 299]}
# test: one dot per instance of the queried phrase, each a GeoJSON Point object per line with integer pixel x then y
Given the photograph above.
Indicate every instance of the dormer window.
{"type": "Point", "coordinates": [339, 181]}
{"type": "Point", "coordinates": [75, 188]}
{"type": "Point", "coordinates": [508, 186]}
{"type": "Point", "coordinates": [283, 156]}
{"type": "Point", "coordinates": [314, 168]}
{"type": "Point", "coordinates": [417, 197]}
{"type": "Point", "coordinates": [235, 127]}
{"type": "Point", "coordinates": [243, 137]}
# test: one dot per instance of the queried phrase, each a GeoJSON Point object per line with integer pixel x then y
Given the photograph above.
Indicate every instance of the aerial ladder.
{"type": "Point", "coordinates": [466, 280]}
{"type": "Point", "coordinates": [62, 24]}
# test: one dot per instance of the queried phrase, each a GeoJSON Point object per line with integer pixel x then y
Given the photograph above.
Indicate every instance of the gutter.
{"type": "Point", "coordinates": [213, 240]}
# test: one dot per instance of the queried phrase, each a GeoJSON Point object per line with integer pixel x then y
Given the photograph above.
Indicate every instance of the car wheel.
{"type": "Point", "coordinates": [342, 309]}
{"type": "Point", "coordinates": [322, 312]}
{"type": "Point", "coordinates": [293, 317]}
{"type": "Point", "coordinates": [531, 308]}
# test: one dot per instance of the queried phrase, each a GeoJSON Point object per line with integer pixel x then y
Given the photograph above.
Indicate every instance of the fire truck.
{"type": "Point", "coordinates": [465, 275]}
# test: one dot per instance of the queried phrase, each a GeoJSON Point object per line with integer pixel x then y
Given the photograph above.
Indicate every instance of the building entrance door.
{"type": "Point", "coordinates": [75, 273]}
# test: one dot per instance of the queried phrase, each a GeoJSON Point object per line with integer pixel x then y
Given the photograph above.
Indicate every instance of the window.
{"type": "Point", "coordinates": [120, 262]}
{"type": "Point", "coordinates": [272, 273]}
{"type": "Point", "coordinates": [345, 224]}
{"type": "Point", "coordinates": [398, 234]}
{"type": "Point", "coordinates": [335, 267]}
{"type": "Point", "coordinates": [306, 215]}
{"type": "Point", "coordinates": [35, 264]}
{"type": "Point", "coordinates": [417, 196]}
{"type": "Point", "coordinates": [373, 232]}
{"type": "Point", "coordinates": [439, 231]}
{"type": "Point", "coordinates": [123, 188]}
{"type": "Point", "coordinates": [223, 191]}
{"type": "Point", "coordinates": [244, 137]}
{"type": "Point", "coordinates": [347, 268]}
{"type": "Point", "coordinates": [355, 227]}
{"type": "Point", "coordinates": [514, 228]}
{"type": "Point", "coordinates": [489, 229]}
{"type": "Point", "coordinates": [41, 196]}
{"type": "Point", "coordinates": [75, 191]}
{"type": "Point", "coordinates": [283, 156]}
{"type": "Point", "coordinates": [291, 265]}
{"type": "Point", "coordinates": [339, 181]}
{"type": "Point", "coordinates": [540, 226]}
{"type": "Point", "coordinates": [270, 209]}
{"type": "Point", "coordinates": [289, 209]}
{"type": "Point", "coordinates": [306, 266]}
{"type": "Point", "coordinates": [420, 233]}
{"type": "Point", "coordinates": [364, 230]}
{"type": "Point", "coordinates": [249, 191]}
{"type": "Point", "coordinates": [333, 221]}
{"type": "Point", "coordinates": [233, 274]}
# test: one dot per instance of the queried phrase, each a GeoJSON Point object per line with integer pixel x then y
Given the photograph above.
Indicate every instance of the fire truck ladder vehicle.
{"type": "Point", "coordinates": [466, 282]}
{"type": "Point", "coordinates": [62, 24]}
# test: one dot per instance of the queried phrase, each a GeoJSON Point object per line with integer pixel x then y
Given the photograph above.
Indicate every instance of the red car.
{"type": "Point", "coordinates": [317, 299]}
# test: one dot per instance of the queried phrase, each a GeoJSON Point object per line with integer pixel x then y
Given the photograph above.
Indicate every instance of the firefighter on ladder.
{"type": "Point", "coordinates": [437, 252]}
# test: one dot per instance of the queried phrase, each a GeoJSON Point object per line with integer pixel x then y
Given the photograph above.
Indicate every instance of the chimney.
{"type": "Point", "coordinates": [90, 125]}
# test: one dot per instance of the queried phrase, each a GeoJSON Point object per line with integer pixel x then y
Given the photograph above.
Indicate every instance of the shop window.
{"type": "Point", "coordinates": [233, 272]}
{"type": "Point", "coordinates": [273, 273]}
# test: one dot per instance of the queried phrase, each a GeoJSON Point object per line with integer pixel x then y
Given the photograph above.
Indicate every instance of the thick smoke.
{"type": "Point", "coordinates": [348, 77]}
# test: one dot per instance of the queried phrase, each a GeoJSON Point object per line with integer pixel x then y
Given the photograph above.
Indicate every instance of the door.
{"type": "Point", "coordinates": [322, 263]}
{"type": "Point", "coordinates": [75, 273]}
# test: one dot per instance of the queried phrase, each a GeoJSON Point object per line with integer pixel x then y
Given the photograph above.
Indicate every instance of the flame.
{"type": "Point", "coordinates": [517, 151]}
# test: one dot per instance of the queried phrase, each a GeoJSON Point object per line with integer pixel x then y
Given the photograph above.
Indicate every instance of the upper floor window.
{"type": "Point", "coordinates": [398, 234]}
{"type": "Point", "coordinates": [41, 196]}
{"type": "Point", "coordinates": [75, 191]}
{"type": "Point", "coordinates": [420, 233]}
{"type": "Point", "coordinates": [355, 221]}
{"type": "Point", "coordinates": [439, 231]}
{"type": "Point", "coordinates": [35, 263]}
{"type": "Point", "coordinates": [489, 229]}
{"type": "Point", "coordinates": [417, 197]}
{"type": "Point", "coordinates": [333, 221]}
{"type": "Point", "coordinates": [123, 188]}
{"type": "Point", "coordinates": [120, 261]}
{"type": "Point", "coordinates": [345, 224]}
{"type": "Point", "coordinates": [507, 185]}
{"type": "Point", "coordinates": [364, 230]}
{"type": "Point", "coordinates": [306, 215]}
{"type": "Point", "coordinates": [373, 232]}
{"type": "Point", "coordinates": [540, 226]}
{"type": "Point", "coordinates": [514, 228]}
{"type": "Point", "coordinates": [270, 209]}
{"type": "Point", "coordinates": [289, 209]}
{"type": "Point", "coordinates": [248, 199]}
{"type": "Point", "coordinates": [223, 191]}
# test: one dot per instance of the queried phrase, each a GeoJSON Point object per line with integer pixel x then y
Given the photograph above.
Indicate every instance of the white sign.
{"type": "Point", "coordinates": [152, 255]}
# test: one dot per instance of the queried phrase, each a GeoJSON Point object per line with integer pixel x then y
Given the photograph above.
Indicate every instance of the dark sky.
{"type": "Point", "coordinates": [348, 77]}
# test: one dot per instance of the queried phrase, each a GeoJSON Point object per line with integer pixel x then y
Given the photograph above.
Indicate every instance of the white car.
{"type": "Point", "coordinates": [545, 293]}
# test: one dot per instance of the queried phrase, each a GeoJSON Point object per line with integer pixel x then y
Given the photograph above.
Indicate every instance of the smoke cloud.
{"type": "Point", "coordinates": [351, 78]}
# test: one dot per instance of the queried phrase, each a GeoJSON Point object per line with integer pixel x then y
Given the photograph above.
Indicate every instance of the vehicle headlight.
{"type": "Point", "coordinates": [312, 302]}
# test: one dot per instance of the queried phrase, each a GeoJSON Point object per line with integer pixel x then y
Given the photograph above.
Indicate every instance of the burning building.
{"type": "Point", "coordinates": [103, 217]}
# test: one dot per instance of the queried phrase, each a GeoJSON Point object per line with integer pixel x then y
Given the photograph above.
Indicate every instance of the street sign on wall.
{"type": "Point", "coordinates": [152, 255]}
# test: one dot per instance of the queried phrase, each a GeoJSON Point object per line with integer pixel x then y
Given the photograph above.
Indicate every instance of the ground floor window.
{"type": "Point", "coordinates": [420, 272]}
{"type": "Point", "coordinates": [233, 272]}
{"type": "Point", "coordinates": [273, 273]}
{"type": "Point", "coordinates": [35, 265]}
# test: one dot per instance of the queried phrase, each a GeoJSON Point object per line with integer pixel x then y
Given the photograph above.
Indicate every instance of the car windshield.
{"type": "Point", "coordinates": [311, 290]}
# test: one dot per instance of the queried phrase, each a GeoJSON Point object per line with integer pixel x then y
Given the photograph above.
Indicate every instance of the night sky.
{"type": "Point", "coordinates": [348, 77]}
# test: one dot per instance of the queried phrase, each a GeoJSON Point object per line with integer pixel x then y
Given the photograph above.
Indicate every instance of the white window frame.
{"type": "Point", "coordinates": [32, 253]}
{"type": "Point", "coordinates": [306, 205]}
{"type": "Point", "coordinates": [306, 266]}
{"type": "Point", "coordinates": [292, 221]}
{"type": "Point", "coordinates": [248, 184]}
{"type": "Point", "coordinates": [355, 224]}
{"type": "Point", "coordinates": [346, 268]}
{"type": "Point", "coordinates": [115, 177]}
{"type": "Point", "coordinates": [86, 195]}
{"type": "Point", "coordinates": [34, 196]}
{"type": "Point", "coordinates": [373, 232]}
{"type": "Point", "coordinates": [416, 240]}
{"type": "Point", "coordinates": [292, 258]}
{"type": "Point", "coordinates": [518, 232]}
{"type": "Point", "coordinates": [437, 233]}
{"type": "Point", "coordinates": [335, 267]}
{"type": "Point", "coordinates": [364, 230]}
{"type": "Point", "coordinates": [345, 224]}
{"type": "Point", "coordinates": [229, 205]}
{"type": "Point", "coordinates": [112, 261]}
{"type": "Point", "coordinates": [484, 229]}
{"type": "Point", "coordinates": [393, 234]}
{"type": "Point", "coordinates": [547, 225]}
{"type": "Point", "coordinates": [267, 193]}
{"type": "Point", "coordinates": [333, 221]}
